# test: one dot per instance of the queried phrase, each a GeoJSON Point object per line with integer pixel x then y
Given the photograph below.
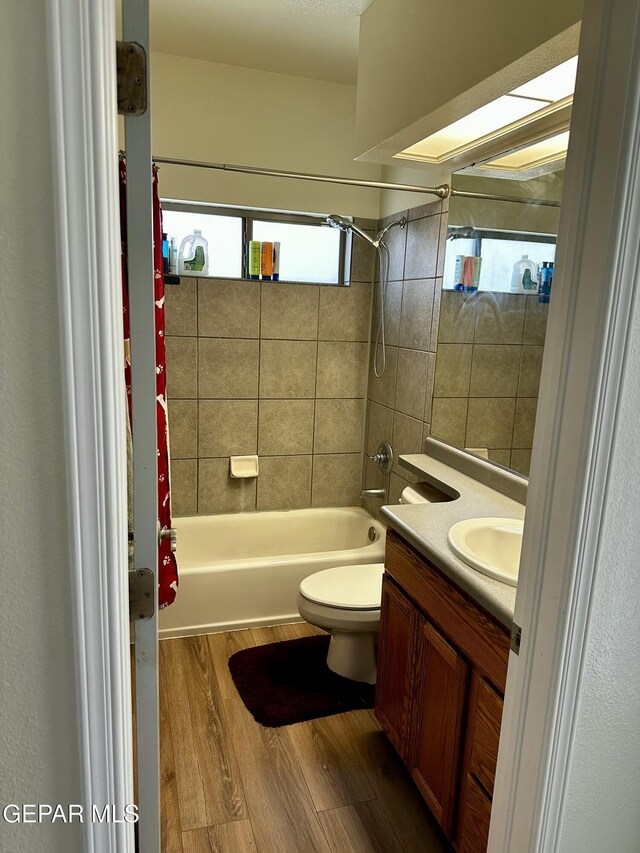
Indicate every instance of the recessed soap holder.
{"type": "Point", "coordinates": [241, 467]}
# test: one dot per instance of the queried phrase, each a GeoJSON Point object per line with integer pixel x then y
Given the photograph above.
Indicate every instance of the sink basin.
{"type": "Point", "coordinates": [490, 545]}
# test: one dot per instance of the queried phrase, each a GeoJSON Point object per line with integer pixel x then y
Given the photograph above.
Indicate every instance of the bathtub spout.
{"type": "Point", "coordinates": [374, 493]}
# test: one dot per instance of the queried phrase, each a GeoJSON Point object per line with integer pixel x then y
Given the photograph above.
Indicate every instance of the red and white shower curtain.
{"type": "Point", "coordinates": [167, 565]}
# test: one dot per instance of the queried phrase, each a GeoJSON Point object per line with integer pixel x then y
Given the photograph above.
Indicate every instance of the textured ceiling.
{"type": "Point", "coordinates": [309, 38]}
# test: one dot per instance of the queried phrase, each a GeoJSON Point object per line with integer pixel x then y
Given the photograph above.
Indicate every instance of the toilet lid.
{"type": "Point", "coordinates": [350, 587]}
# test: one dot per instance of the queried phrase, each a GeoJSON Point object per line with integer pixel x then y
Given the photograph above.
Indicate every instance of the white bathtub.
{"type": "Point", "coordinates": [243, 570]}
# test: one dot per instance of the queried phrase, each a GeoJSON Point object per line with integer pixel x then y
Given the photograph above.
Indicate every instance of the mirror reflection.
{"type": "Point", "coordinates": [497, 283]}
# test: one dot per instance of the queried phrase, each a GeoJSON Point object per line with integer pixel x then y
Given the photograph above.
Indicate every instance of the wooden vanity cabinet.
{"type": "Point", "coordinates": [442, 664]}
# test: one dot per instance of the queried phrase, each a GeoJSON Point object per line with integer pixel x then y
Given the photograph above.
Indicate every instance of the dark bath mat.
{"type": "Point", "coordinates": [290, 682]}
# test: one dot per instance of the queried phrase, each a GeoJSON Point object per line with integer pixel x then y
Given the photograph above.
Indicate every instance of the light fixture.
{"type": "Point", "coordinates": [530, 161]}
{"type": "Point", "coordinates": [545, 94]}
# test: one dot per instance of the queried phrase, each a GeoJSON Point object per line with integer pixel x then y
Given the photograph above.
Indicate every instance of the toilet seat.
{"type": "Point", "coordinates": [346, 587]}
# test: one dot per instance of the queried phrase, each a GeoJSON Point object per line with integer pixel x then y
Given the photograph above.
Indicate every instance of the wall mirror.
{"type": "Point", "coordinates": [497, 283]}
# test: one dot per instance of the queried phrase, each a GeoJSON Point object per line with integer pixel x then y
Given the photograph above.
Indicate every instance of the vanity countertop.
{"type": "Point", "coordinates": [425, 526]}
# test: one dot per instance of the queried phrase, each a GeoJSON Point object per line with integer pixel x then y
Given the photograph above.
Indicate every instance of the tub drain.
{"type": "Point", "coordinates": [372, 534]}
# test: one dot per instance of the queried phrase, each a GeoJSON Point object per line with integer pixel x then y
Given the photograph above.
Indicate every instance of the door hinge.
{"type": "Point", "coordinates": [141, 597]}
{"type": "Point", "coordinates": [131, 64]}
{"type": "Point", "coordinates": [516, 638]}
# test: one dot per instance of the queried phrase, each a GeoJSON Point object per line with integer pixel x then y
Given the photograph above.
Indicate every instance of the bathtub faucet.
{"type": "Point", "coordinates": [373, 493]}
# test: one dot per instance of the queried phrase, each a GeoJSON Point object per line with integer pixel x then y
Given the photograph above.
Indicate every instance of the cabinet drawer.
{"type": "Point", "coordinates": [475, 817]}
{"type": "Point", "coordinates": [482, 641]}
{"type": "Point", "coordinates": [486, 734]}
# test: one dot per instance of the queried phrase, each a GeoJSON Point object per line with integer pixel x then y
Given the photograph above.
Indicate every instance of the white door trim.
{"type": "Point", "coordinates": [81, 60]}
{"type": "Point", "coordinates": [585, 366]}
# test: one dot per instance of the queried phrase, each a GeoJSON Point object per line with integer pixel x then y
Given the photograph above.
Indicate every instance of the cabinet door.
{"type": "Point", "coordinates": [437, 724]}
{"type": "Point", "coordinates": [475, 817]}
{"type": "Point", "coordinates": [396, 660]}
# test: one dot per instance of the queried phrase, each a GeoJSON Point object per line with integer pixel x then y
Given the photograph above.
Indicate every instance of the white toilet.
{"type": "Point", "coordinates": [345, 601]}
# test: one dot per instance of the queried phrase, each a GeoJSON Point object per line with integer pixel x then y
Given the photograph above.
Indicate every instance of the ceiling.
{"type": "Point", "coordinates": [307, 38]}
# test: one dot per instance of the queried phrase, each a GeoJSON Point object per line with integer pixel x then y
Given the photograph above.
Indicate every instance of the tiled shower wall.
{"type": "Point", "coordinates": [399, 404]}
{"type": "Point", "coordinates": [487, 373]}
{"type": "Point", "coordinates": [274, 369]}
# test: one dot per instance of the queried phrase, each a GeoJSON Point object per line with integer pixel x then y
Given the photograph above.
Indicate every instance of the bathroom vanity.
{"type": "Point", "coordinates": [442, 660]}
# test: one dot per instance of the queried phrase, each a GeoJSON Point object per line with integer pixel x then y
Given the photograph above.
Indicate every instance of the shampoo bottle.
{"type": "Point", "coordinates": [254, 260]}
{"type": "Point", "coordinates": [276, 261]}
{"type": "Point", "coordinates": [266, 261]}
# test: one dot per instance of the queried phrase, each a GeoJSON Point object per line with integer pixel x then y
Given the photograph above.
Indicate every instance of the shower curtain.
{"type": "Point", "coordinates": [167, 565]}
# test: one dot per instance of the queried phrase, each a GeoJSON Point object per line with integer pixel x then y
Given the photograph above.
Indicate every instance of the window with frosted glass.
{"type": "Point", "coordinates": [223, 234]}
{"type": "Point", "coordinates": [308, 253]}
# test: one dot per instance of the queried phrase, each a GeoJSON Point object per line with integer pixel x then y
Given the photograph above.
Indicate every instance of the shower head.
{"type": "Point", "coordinates": [336, 221]}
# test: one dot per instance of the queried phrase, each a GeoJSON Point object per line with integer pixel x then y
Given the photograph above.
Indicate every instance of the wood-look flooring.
{"type": "Point", "coordinates": [230, 785]}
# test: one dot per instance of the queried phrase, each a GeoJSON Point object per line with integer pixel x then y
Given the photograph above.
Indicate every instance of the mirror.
{"type": "Point", "coordinates": [497, 282]}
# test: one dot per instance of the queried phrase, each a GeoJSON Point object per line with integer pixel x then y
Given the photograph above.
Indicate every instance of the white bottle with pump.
{"type": "Point", "coordinates": [524, 278]}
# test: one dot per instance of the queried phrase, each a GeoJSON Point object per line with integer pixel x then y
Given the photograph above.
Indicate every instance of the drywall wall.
{"type": "Point", "coordinates": [227, 114]}
{"type": "Point", "coordinates": [38, 719]}
{"type": "Point", "coordinates": [438, 60]}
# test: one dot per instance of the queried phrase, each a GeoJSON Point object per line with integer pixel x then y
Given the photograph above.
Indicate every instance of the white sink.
{"type": "Point", "coordinates": [490, 545]}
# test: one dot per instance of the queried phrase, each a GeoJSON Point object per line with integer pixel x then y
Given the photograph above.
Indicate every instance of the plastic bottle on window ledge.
{"type": "Point", "coordinates": [254, 260]}
{"type": "Point", "coordinates": [546, 280]}
{"type": "Point", "coordinates": [276, 261]}
{"type": "Point", "coordinates": [524, 278]}
{"type": "Point", "coordinates": [266, 261]}
{"type": "Point", "coordinates": [193, 258]}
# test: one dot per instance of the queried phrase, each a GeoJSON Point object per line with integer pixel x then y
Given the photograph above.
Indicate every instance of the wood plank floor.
{"type": "Point", "coordinates": [230, 785]}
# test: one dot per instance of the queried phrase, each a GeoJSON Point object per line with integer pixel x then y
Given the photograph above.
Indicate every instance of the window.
{"type": "Point", "coordinates": [310, 250]}
{"type": "Point", "coordinates": [499, 251]}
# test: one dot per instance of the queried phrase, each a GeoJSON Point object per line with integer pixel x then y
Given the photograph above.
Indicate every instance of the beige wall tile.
{"type": "Point", "coordinates": [431, 374]}
{"type": "Point", "coordinates": [435, 319]}
{"type": "Point", "coordinates": [379, 426]}
{"type": "Point", "coordinates": [227, 427]}
{"type": "Point", "coordinates": [453, 370]}
{"type": "Point", "coordinates": [218, 492]}
{"type": "Point", "coordinates": [228, 368]}
{"type": "Point", "coordinates": [502, 457]}
{"type": "Point", "coordinates": [183, 428]}
{"type": "Point", "coordinates": [284, 482]}
{"type": "Point", "coordinates": [449, 419]}
{"type": "Point", "coordinates": [342, 369]}
{"type": "Point", "coordinates": [421, 255]}
{"type": "Point", "coordinates": [494, 371]}
{"type": "Point", "coordinates": [373, 478]}
{"type": "Point", "coordinates": [339, 426]}
{"type": "Point", "coordinates": [442, 244]}
{"type": "Point", "coordinates": [362, 259]}
{"type": "Point", "coordinates": [345, 312]}
{"type": "Point", "coordinates": [392, 310]}
{"type": "Point", "coordinates": [180, 308]}
{"type": "Point", "coordinates": [415, 318]}
{"type": "Point", "coordinates": [530, 367]}
{"type": "Point", "coordinates": [535, 321]}
{"type": "Point", "coordinates": [521, 461]}
{"type": "Point", "coordinates": [411, 382]}
{"type": "Point", "coordinates": [490, 422]}
{"type": "Point", "coordinates": [228, 309]}
{"type": "Point", "coordinates": [407, 438]}
{"type": "Point", "coordinates": [397, 485]}
{"type": "Point", "coordinates": [290, 311]}
{"type": "Point", "coordinates": [285, 427]}
{"type": "Point", "coordinates": [396, 240]}
{"type": "Point", "coordinates": [287, 369]}
{"type": "Point", "coordinates": [184, 487]}
{"type": "Point", "coordinates": [525, 422]}
{"type": "Point", "coordinates": [500, 318]}
{"type": "Point", "coordinates": [337, 479]}
{"type": "Point", "coordinates": [182, 374]}
{"type": "Point", "coordinates": [457, 317]}
{"type": "Point", "coordinates": [383, 390]}
{"type": "Point", "coordinates": [430, 208]}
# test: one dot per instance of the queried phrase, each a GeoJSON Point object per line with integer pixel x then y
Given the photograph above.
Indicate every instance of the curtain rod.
{"type": "Point", "coordinates": [442, 191]}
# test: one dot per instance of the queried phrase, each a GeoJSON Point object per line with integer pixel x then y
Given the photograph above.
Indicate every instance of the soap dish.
{"type": "Point", "coordinates": [244, 466]}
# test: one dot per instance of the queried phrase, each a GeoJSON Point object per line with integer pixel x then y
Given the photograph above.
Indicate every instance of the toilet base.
{"type": "Point", "coordinates": [353, 655]}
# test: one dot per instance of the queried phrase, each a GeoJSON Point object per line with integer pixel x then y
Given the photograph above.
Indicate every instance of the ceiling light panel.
{"type": "Point", "coordinates": [554, 148]}
{"type": "Point", "coordinates": [553, 85]}
{"type": "Point", "coordinates": [493, 117]}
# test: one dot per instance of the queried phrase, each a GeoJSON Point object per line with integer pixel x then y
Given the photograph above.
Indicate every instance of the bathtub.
{"type": "Point", "coordinates": [243, 570]}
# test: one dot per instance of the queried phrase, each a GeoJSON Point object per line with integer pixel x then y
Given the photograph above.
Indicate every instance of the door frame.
{"type": "Point", "coordinates": [583, 371]}
{"type": "Point", "coordinates": [81, 39]}
{"type": "Point", "coordinates": [582, 433]}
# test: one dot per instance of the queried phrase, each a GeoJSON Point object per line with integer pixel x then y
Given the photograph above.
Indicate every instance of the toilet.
{"type": "Point", "coordinates": [345, 602]}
